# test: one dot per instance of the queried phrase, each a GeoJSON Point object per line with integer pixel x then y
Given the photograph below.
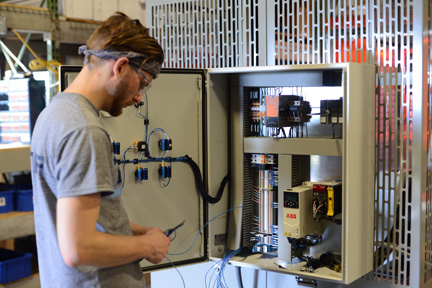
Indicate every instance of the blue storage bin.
{"type": "Point", "coordinates": [14, 265]}
{"type": "Point", "coordinates": [24, 200]}
{"type": "Point", "coordinates": [7, 201]}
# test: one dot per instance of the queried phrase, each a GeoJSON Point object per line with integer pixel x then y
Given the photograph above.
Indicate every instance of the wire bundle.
{"type": "Point", "coordinates": [217, 278]}
{"type": "Point", "coordinates": [316, 209]}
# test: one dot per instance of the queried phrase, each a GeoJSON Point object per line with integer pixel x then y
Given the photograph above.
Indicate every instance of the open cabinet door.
{"type": "Point", "coordinates": [165, 193]}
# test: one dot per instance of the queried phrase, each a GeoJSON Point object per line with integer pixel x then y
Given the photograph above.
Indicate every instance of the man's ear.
{"type": "Point", "coordinates": [120, 66]}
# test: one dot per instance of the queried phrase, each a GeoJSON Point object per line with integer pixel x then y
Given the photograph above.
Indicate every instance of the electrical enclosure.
{"type": "Point", "coordinates": [267, 128]}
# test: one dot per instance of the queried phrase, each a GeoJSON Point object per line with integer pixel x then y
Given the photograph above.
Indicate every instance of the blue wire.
{"type": "Point", "coordinates": [221, 264]}
{"type": "Point", "coordinates": [181, 276]}
{"type": "Point", "coordinates": [157, 130]}
{"type": "Point", "coordinates": [215, 271]}
{"type": "Point", "coordinates": [124, 175]}
{"type": "Point", "coordinates": [148, 139]}
{"type": "Point", "coordinates": [163, 182]}
{"type": "Point", "coordinates": [145, 117]}
{"type": "Point", "coordinates": [208, 272]}
{"type": "Point", "coordinates": [193, 242]}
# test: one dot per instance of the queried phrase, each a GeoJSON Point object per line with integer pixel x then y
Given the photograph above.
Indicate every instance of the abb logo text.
{"type": "Point", "coordinates": [291, 216]}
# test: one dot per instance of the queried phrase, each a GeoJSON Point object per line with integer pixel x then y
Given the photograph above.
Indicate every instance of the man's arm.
{"type": "Point", "coordinates": [139, 229]}
{"type": "Point", "coordinates": [81, 244]}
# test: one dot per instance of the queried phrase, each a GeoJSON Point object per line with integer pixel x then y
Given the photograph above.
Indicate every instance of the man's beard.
{"type": "Point", "coordinates": [118, 91]}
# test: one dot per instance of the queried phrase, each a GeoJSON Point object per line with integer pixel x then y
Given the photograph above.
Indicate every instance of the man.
{"type": "Point", "coordinates": [84, 237]}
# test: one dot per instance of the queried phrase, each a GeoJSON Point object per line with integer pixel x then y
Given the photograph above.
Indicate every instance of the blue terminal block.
{"type": "Point", "coordinates": [165, 144]}
{"type": "Point", "coordinates": [116, 147]}
{"type": "Point", "coordinates": [165, 171]}
{"type": "Point", "coordinates": [141, 173]}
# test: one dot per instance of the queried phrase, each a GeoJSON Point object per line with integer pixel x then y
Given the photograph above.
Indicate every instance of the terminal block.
{"type": "Point", "coordinates": [141, 173]}
{"type": "Point", "coordinates": [165, 171]}
{"type": "Point", "coordinates": [263, 248]}
{"type": "Point", "coordinates": [140, 146]}
{"type": "Point", "coordinates": [116, 147]}
{"type": "Point", "coordinates": [331, 111]}
{"type": "Point", "coordinates": [165, 144]}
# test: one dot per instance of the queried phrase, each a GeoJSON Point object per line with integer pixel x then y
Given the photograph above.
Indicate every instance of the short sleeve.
{"type": "Point", "coordinates": [84, 163]}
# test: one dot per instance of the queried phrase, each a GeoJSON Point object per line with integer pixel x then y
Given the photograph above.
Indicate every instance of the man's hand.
{"type": "Point", "coordinates": [158, 245]}
{"type": "Point", "coordinates": [81, 244]}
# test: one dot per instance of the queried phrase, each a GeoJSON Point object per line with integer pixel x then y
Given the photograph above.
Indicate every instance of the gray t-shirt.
{"type": "Point", "coordinates": [72, 156]}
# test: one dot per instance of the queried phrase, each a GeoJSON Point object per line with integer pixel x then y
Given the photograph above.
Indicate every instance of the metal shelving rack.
{"type": "Point", "coordinates": [56, 29]}
{"type": "Point", "coordinates": [63, 29]}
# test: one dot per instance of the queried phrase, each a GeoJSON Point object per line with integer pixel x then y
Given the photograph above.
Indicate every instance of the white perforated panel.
{"type": "Point", "coordinates": [307, 32]}
{"type": "Point", "coordinates": [196, 34]}
{"type": "Point", "coordinates": [224, 33]}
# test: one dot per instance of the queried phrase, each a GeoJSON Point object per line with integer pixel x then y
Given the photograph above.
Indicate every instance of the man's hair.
{"type": "Point", "coordinates": [119, 32]}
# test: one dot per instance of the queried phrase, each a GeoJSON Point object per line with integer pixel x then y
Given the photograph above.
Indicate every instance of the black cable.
{"type": "Point", "coordinates": [200, 185]}
{"type": "Point", "coordinates": [227, 221]}
{"type": "Point", "coordinates": [195, 169]}
{"type": "Point", "coordinates": [303, 243]}
{"type": "Point", "coordinates": [284, 134]}
{"type": "Point", "coordinates": [239, 277]}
